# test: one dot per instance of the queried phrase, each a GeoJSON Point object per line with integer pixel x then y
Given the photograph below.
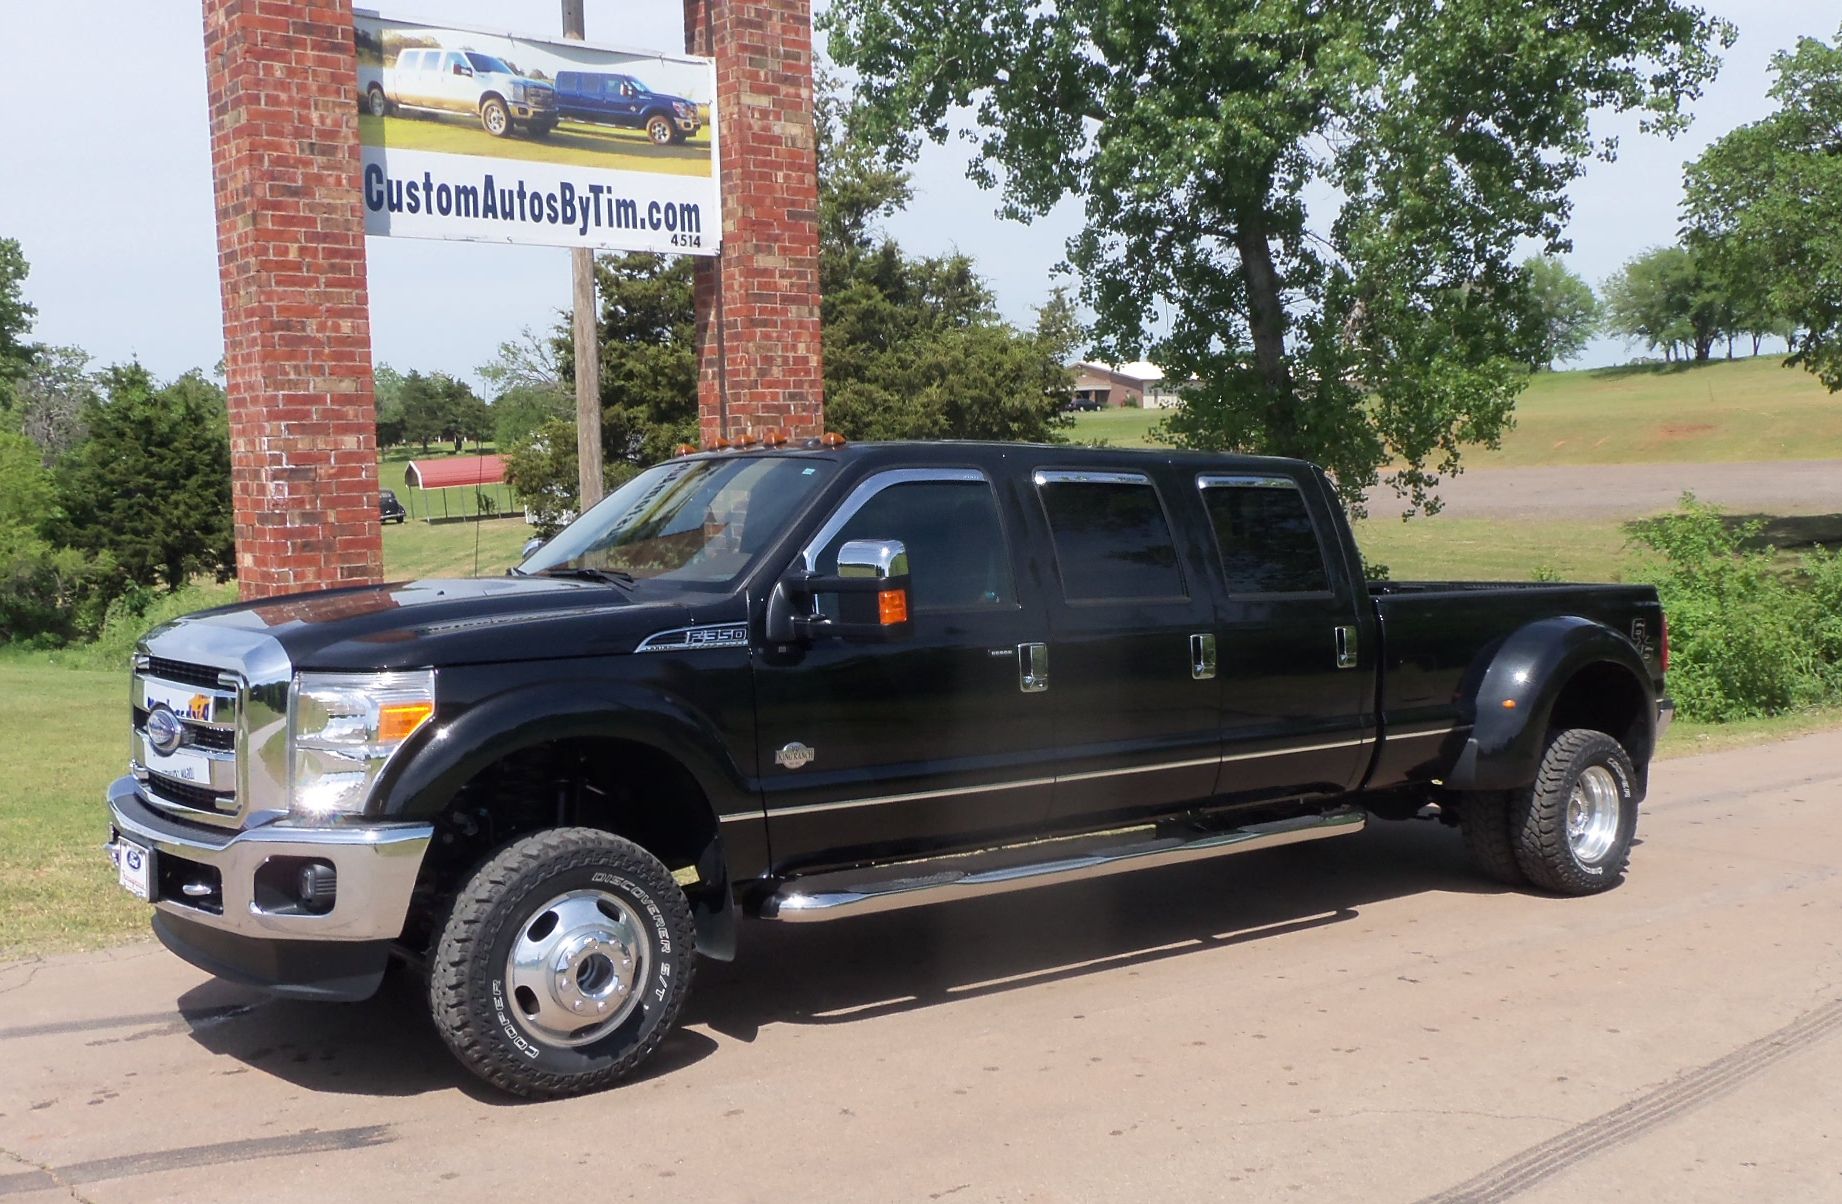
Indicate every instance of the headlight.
{"type": "Point", "coordinates": [684, 110]}
{"type": "Point", "coordinates": [342, 730]}
{"type": "Point", "coordinates": [518, 92]}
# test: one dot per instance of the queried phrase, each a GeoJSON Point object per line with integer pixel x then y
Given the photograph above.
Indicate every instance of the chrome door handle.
{"type": "Point", "coordinates": [1346, 648]}
{"type": "Point", "coordinates": [1032, 668]}
{"type": "Point", "coordinates": [1202, 655]}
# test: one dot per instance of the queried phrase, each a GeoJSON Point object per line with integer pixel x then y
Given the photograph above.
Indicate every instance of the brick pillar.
{"type": "Point", "coordinates": [282, 82]}
{"type": "Point", "coordinates": [758, 306]}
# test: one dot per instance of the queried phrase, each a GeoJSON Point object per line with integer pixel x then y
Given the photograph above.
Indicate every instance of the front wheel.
{"type": "Point", "coordinates": [377, 102]}
{"type": "Point", "coordinates": [540, 128]}
{"type": "Point", "coordinates": [494, 118]}
{"type": "Point", "coordinates": [562, 963]}
{"type": "Point", "coordinates": [659, 128]}
{"type": "Point", "coordinates": [1573, 828]}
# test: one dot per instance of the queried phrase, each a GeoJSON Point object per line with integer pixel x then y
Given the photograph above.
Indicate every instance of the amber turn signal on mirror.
{"type": "Point", "coordinates": [892, 607]}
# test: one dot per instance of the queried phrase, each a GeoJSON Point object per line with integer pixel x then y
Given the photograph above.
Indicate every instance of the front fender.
{"type": "Point", "coordinates": [421, 785]}
{"type": "Point", "coordinates": [1513, 702]}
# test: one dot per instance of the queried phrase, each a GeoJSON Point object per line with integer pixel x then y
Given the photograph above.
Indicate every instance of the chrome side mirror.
{"type": "Point", "coordinates": [871, 586]}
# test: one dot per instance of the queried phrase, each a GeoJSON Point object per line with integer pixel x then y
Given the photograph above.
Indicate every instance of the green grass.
{"type": "Point", "coordinates": [416, 549]}
{"type": "Point", "coordinates": [1688, 737]}
{"type": "Point", "coordinates": [66, 738]}
{"type": "Point", "coordinates": [1442, 548]}
{"type": "Point", "coordinates": [1754, 409]}
{"type": "Point", "coordinates": [1116, 428]}
{"type": "Point", "coordinates": [577, 144]}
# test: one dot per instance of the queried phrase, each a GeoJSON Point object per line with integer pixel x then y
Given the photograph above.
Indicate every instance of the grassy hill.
{"type": "Point", "coordinates": [1753, 409]}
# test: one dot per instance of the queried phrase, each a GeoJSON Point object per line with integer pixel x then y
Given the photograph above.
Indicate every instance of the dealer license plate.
{"type": "Point", "coordinates": [133, 867]}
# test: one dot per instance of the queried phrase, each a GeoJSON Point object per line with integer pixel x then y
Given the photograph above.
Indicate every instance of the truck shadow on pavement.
{"type": "Point", "coordinates": [857, 971]}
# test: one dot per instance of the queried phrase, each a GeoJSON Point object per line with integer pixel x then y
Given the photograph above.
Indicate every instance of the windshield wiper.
{"type": "Point", "coordinates": [583, 573]}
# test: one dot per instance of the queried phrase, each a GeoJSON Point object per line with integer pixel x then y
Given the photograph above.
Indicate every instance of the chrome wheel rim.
{"type": "Point", "coordinates": [377, 102]}
{"type": "Point", "coordinates": [574, 972]}
{"type": "Point", "coordinates": [495, 120]}
{"type": "Point", "coordinates": [661, 133]}
{"type": "Point", "coordinates": [1593, 811]}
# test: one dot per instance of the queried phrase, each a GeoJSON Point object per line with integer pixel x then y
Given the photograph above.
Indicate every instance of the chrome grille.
{"type": "Point", "coordinates": [181, 673]}
{"type": "Point", "coordinates": [198, 779]}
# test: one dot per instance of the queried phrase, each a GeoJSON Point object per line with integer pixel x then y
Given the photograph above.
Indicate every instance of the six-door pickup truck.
{"type": "Point", "coordinates": [461, 81]}
{"type": "Point", "coordinates": [812, 681]}
{"type": "Point", "coordinates": [624, 101]}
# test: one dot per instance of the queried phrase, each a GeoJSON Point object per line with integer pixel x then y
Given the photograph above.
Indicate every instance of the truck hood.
{"type": "Point", "coordinates": [443, 622]}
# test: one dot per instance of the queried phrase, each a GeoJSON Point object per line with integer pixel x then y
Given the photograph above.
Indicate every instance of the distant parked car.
{"type": "Point", "coordinates": [462, 81]}
{"type": "Point", "coordinates": [1086, 404]}
{"type": "Point", "coordinates": [609, 99]}
{"type": "Point", "coordinates": [390, 510]}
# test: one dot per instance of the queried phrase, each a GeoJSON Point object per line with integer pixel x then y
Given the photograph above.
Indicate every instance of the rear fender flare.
{"type": "Point", "coordinates": [1530, 669]}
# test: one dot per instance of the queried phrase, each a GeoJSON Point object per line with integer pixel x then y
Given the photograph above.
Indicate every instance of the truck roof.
{"type": "Point", "coordinates": [968, 451]}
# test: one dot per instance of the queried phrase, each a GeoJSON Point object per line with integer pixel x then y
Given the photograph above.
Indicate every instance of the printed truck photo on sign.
{"type": "Point", "coordinates": [496, 137]}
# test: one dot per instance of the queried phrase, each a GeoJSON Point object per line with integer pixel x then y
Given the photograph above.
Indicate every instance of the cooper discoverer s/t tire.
{"type": "Point", "coordinates": [1573, 828]}
{"type": "Point", "coordinates": [562, 963]}
{"type": "Point", "coordinates": [1484, 821]}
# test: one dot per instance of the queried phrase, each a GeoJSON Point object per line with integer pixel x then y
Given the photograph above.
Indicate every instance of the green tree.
{"type": "Point", "coordinates": [150, 486]}
{"type": "Point", "coordinates": [647, 327]}
{"type": "Point", "coordinates": [437, 406]}
{"type": "Point", "coordinates": [1668, 300]}
{"type": "Point", "coordinates": [1765, 205]}
{"type": "Point", "coordinates": [914, 346]}
{"type": "Point", "coordinates": [387, 385]}
{"type": "Point", "coordinates": [1328, 198]}
{"type": "Point", "coordinates": [16, 317]}
{"type": "Point", "coordinates": [1562, 310]}
{"type": "Point", "coordinates": [50, 397]}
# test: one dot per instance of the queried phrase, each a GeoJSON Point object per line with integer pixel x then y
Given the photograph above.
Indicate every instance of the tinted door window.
{"type": "Point", "coordinates": [1266, 538]}
{"type": "Point", "coordinates": [957, 556]}
{"type": "Point", "coordinates": [1112, 541]}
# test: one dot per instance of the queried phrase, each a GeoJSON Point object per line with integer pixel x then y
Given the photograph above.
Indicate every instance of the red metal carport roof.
{"type": "Point", "coordinates": [461, 470]}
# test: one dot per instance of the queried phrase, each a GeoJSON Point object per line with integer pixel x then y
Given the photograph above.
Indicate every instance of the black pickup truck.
{"type": "Point", "coordinates": [805, 682]}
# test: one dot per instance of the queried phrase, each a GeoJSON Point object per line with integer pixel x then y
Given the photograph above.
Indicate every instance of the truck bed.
{"type": "Point", "coordinates": [1434, 633]}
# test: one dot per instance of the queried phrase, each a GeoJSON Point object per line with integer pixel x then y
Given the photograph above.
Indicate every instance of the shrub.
{"type": "Point", "coordinates": [1738, 628]}
{"type": "Point", "coordinates": [51, 596]}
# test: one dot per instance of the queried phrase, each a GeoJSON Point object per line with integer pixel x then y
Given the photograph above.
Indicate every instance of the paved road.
{"type": "Point", "coordinates": [1627, 490]}
{"type": "Point", "coordinates": [1353, 1020]}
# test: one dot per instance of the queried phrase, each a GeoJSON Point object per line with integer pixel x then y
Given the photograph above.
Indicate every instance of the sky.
{"type": "Point", "coordinates": [109, 189]}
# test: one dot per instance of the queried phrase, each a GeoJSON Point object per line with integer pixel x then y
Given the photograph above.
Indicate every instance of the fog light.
{"type": "Point", "coordinates": [318, 883]}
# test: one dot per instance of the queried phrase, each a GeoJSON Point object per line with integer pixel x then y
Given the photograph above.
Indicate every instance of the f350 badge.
{"type": "Point", "coordinates": [795, 756]}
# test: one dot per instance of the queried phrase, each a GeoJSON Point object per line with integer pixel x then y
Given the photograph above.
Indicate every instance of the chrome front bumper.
{"type": "Point", "coordinates": [376, 865]}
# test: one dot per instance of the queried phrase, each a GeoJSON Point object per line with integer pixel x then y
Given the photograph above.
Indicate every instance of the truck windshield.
{"type": "Point", "coordinates": [489, 64]}
{"type": "Point", "coordinates": [691, 522]}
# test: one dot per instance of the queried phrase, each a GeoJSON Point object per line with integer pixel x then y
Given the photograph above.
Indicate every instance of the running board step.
{"type": "Point", "coordinates": [1069, 859]}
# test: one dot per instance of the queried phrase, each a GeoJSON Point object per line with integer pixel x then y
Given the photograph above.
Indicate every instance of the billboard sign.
{"type": "Point", "coordinates": [498, 137]}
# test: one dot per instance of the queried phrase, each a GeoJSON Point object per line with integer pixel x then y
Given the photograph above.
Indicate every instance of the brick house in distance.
{"type": "Point", "coordinates": [1113, 386]}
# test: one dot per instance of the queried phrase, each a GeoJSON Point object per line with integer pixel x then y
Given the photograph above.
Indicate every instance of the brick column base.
{"type": "Point", "coordinates": [758, 332]}
{"type": "Point", "coordinates": [282, 82]}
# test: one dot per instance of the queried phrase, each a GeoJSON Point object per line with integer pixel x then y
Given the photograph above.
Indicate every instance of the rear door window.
{"type": "Point", "coordinates": [1268, 542]}
{"type": "Point", "coordinates": [1112, 538]}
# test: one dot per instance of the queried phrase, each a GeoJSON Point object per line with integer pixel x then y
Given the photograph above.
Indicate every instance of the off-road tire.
{"type": "Point", "coordinates": [377, 104]}
{"type": "Point", "coordinates": [660, 130]}
{"type": "Point", "coordinates": [494, 113]}
{"type": "Point", "coordinates": [467, 995]}
{"type": "Point", "coordinates": [1483, 820]}
{"type": "Point", "coordinates": [1538, 815]}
